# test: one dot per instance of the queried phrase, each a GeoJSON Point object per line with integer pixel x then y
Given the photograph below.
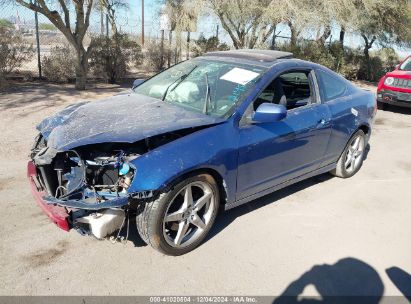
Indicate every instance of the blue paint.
{"type": "Point", "coordinates": [251, 158]}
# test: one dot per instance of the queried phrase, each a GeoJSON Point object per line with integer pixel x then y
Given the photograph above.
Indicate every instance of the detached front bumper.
{"type": "Point", "coordinates": [57, 214]}
{"type": "Point", "coordinates": [394, 97]}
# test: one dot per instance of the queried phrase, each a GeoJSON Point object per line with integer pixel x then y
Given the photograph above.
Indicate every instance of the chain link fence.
{"type": "Point", "coordinates": [40, 37]}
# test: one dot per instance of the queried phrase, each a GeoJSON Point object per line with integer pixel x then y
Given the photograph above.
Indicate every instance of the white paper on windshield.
{"type": "Point", "coordinates": [239, 76]}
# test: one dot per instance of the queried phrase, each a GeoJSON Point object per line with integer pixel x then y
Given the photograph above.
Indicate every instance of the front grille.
{"type": "Point", "coordinates": [402, 83]}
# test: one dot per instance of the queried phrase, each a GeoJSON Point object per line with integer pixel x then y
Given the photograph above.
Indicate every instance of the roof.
{"type": "Point", "coordinates": [262, 56]}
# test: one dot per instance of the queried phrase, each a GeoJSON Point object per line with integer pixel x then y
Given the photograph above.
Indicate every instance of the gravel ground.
{"type": "Point", "coordinates": [321, 236]}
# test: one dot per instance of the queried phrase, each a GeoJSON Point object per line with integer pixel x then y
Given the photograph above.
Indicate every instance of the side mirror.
{"type": "Point", "coordinates": [137, 82]}
{"type": "Point", "coordinates": [269, 112]}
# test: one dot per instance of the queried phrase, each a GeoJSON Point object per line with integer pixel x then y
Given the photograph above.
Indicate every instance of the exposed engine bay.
{"type": "Point", "coordinates": [92, 181]}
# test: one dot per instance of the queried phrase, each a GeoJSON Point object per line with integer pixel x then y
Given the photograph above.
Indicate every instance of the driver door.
{"type": "Point", "coordinates": [273, 153]}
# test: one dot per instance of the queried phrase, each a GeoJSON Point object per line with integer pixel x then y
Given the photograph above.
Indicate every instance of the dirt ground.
{"type": "Point", "coordinates": [321, 236]}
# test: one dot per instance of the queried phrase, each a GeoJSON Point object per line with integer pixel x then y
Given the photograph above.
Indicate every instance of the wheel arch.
{"type": "Point", "coordinates": [221, 184]}
{"type": "Point", "coordinates": [365, 128]}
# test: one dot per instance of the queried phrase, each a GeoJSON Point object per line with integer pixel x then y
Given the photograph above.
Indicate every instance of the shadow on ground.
{"type": "Point", "coordinates": [397, 109]}
{"type": "Point", "coordinates": [31, 93]}
{"type": "Point", "coordinates": [226, 218]}
{"type": "Point", "coordinates": [401, 279]}
{"type": "Point", "coordinates": [348, 281]}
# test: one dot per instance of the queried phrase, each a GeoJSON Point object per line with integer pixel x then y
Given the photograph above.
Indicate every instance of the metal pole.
{"type": "Point", "coordinates": [36, 19]}
{"type": "Point", "coordinates": [142, 22]}
{"type": "Point", "coordinates": [162, 47]}
{"type": "Point", "coordinates": [188, 46]}
{"type": "Point", "coordinates": [107, 25]}
{"type": "Point", "coordinates": [101, 22]}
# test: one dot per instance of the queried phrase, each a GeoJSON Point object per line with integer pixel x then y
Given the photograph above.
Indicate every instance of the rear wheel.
{"type": "Point", "coordinates": [179, 220]}
{"type": "Point", "coordinates": [352, 157]}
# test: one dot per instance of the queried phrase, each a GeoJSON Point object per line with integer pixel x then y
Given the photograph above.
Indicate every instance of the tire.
{"type": "Point", "coordinates": [351, 160]}
{"type": "Point", "coordinates": [381, 105]}
{"type": "Point", "coordinates": [173, 223]}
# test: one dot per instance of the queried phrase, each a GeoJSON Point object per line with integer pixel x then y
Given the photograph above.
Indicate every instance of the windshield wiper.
{"type": "Point", "coordinates": [207, 97]}
{"type": "Point", "coordinates": [178, 81]}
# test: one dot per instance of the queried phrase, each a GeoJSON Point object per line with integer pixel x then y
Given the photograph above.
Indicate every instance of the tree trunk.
{"type": "Point", "coordinates": [81, 70]}
{"type": "Point", "coordinates": [367, 61]}
{"type": "Point", "coordinates": [342, 36]}
{"type": "Point", "coordinates": [367, 47]}
{"type": "Point", "coordinates": [293, 40]}
{"type": "Point", "coordinates": [188, 46]}
{"type": "Point", "coordinates": [170, 39]}
{"type": "Point", "coordinates": [326, 34]}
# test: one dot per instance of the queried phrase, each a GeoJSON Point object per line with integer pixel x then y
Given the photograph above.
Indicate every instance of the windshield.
{"type": "Point", "coordinates": [201, 85]}
{"type": "Point", "coordinates": [406, 65]}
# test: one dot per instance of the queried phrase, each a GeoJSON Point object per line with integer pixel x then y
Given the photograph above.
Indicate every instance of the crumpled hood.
{"type": "Point", "coordinates": [122, 118]}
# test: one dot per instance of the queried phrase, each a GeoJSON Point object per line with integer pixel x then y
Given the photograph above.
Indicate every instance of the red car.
{"type": "Point", "coordinates": [395, 87]}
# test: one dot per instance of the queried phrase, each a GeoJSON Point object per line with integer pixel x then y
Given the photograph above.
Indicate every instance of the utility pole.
{"type": "Point", "coordinates": [36, 20]}
{"type": "Point", "coordinates": [101, 22]}
{"type": "Point", "coordinates": [188, 46]}
{"type": "Point", "coordinates": [142, 23]}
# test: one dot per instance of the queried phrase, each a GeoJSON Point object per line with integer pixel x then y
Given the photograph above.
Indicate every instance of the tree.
{"type": "Point", "coordinates": [182, 15]}
{"type": "Point", "coordinates": [382, 22]}
{"type": "Point", "coordinates": [58, 13]}
{"type": "Point", "coordinates": [14, 51]}
{"type": "Point", "coordinates": [247, 22]}
{"type": "Point", "coordinates": [47, 27]}
{"type": "Point", "coordinates": [112, 56]}
{"type": "Point", "coordinates": [111, 7]}
{"type": "Point", "coordinates": [204, 45]}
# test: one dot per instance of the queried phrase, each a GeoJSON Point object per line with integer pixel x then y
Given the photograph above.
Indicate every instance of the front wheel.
{"type": "Point", "coordinates": [179, 220]}
{"type": "Point", "coordinates": [352, 157]}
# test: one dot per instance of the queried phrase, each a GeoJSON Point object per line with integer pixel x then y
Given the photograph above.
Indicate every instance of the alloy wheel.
{"type": "Point", "coordinates": [188, 215]}
{"type": "Point", "coordinates": [354, 154]}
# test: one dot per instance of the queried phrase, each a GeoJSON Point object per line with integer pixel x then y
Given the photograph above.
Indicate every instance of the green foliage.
{"type": "Point", "coordinates": [351, 63]}
{"type": "Point", "coordinates": [59, 66]}
{"type": "Point", "coordinates": [4, 23]}
{"type": "Point", "coordinates": [154, 57]}
{"type": "Point", "coordinates": [112, 57]}
{"type": "Point", "coordinates": [204, 45]}
{"type": "Point", "coordinates": [13, 51]}
{"type": "Point", "coordinates": [47, 27]}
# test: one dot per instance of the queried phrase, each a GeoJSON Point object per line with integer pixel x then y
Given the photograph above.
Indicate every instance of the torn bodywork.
{"type": "Point", "coordinates": [91, 183]}
{"type": "Point", "coordinates": [83, 167]}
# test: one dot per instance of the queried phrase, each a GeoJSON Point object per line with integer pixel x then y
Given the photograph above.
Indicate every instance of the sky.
{"type": "Point", "coordinates": [129, 21]}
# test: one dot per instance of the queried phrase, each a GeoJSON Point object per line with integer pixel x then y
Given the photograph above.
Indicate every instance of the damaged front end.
{"type": "Point", "coordinates": [82, 169]}
{"type": "Point", "coordinates": [89, 183]}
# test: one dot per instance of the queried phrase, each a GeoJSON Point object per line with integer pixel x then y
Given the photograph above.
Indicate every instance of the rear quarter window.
{"type": "Point", "coordinates": [331, 86]}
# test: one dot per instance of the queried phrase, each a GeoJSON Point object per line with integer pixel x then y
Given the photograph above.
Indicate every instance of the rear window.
{"type": "Point", "coordinates": [331, 86]}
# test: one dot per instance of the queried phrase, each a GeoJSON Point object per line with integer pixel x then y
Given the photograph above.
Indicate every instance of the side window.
{"type": "Point", "coordinates": [290, 89]}
{"type": "Point", "coordinates": [331, 86]}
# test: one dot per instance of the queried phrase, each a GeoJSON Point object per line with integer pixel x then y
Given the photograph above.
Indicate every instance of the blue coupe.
{"type": "Point", "coordinates": [207, 134]}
